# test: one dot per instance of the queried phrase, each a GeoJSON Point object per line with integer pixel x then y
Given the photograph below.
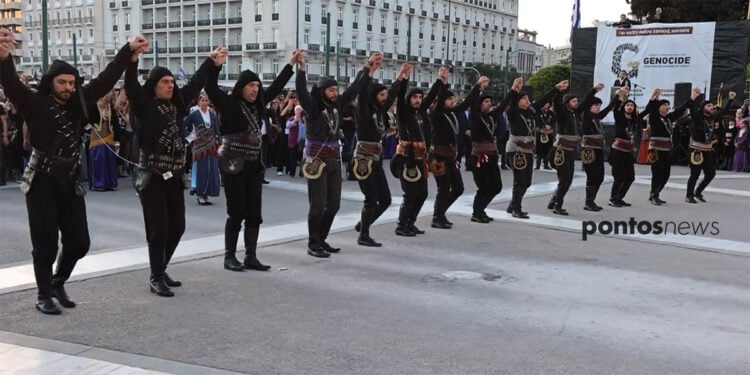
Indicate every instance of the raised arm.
{"type": "Point", "coordinates": [16, 91]}
{"type": "Point", "coordinates": [305, 100]}
{"type": "Point", "coordinates": [468, 102]}
{"type": "Point", "coordinates": [585, 105]}
{"type": "Point", "coordinates": [395, 89]}
{"type": "Point", "coordinates": [281, 79]}
{"type": "Point", "coordinates": [439, 84]}
{"type": "Point", "coordinates": [612, 104]}
{"type": "Point", "coordinates": [134, 92]}
{"type": "Point", "coordinates": [103, 83]}
{"type": "Point", "coordinates": [218, 97]}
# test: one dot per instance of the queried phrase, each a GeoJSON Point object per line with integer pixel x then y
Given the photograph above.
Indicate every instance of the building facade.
{"type": "Point", "coordinates": [67, 20]}
{"type": "Point", "coordinates": [261, 33]}
{"type": "Point", "coordinates": [528, 59]}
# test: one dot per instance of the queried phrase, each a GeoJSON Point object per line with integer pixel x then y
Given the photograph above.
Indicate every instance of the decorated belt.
{"type": "Point", "coordinates": [700, 146]}
{"type": "Point", "coordinates": [53, 165]}
{"type": "Point", "coordinates": [483, 148]}
{"type": "Point", "coordinates": [566, 142]}
{"type": "Point", "coordinates": [593, 141]}
{"type": "Point", "coordinates": [660, 144]}
{"type": "Point", "coordinates": [369, 150]}
{"type": "Point", "coordinates": [161, 162]}
{"type": "Point", "coordinates": [622, 145]}
{"type": "Point", "coordinates": [444, 151]}
{"type": "Point", "coordinates": [241, 145]}
{"type": "Point", "coordinates": [518, 143]}
{"type": "Point", "coordinates": [420, 149]}
{"type": "Point", "coordinates": [322, 151]}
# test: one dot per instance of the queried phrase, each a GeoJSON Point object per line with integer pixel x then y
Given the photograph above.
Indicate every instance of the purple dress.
{"type": "Point", "coordinates": [741, 151]}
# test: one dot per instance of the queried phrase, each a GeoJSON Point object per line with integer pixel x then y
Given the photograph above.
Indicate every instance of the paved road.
{"type": "Point", "coordinates": [508, 297]}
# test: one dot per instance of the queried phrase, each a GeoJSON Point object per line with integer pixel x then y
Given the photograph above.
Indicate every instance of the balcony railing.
{"type": "Point", "coordinates": [234, 47]}
{"type": "Point", "coordinates": [204, 22]}
{"type": "Point", "coordinates": [188, 23]}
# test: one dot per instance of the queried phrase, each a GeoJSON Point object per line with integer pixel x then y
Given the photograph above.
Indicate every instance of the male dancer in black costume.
{"type": "Point", "coordinates": [159, 107]}
{"type": "Point", "coordinates": [322, 143]}
{"type": "Point", "coordinates": [56, 117]}
{"type": "Point", "coordinates": [239, 155]}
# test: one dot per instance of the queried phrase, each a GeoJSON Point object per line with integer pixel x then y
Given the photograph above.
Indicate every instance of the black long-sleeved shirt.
{"type": "Point", "coordinates": [482, 123]}
{"type": "Point", "coordinates": [35, 108]}
{"type": "Point", "coordinates": [568, 120]}
{"type": "Point", "coordinates": [520, 120]}
{"type": "Point", "coordinates": [232, 119]}
{"type": "Point", "coordinates": [446, 124]}
{"type": "Point", "coordinates": [702, 125]}
{"type": "Point", "coordinates": [590, 122]}
{"type": "Point", "coordinates": [662, 126]}
{"type": "Point", "coordinates": [412, 122]}
{"type": "Point", "coordinates": [626, 126]}
{"type": "Point", "coordinates": [373, 119]}
{"type": "Point", "coordinates": [150, 122]}
{"type": "Point", "coordinates": [317, 124]}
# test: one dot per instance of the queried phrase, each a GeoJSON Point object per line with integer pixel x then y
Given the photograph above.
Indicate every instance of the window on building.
{"type": "Point", "coordinates": [259, 67]}
{"type": "Point", "coordinates": [258, 36]}
{"type": "Point", "coordinates": [275, 8]}
{"type": "Point", "coordinates": [307, 8]}
{"type": "Point", "coordinates": [275, 35]}
{"type": "Point", "coordinates": [258, 8]}
{"type": "Point", "coordinates": [306, 36]}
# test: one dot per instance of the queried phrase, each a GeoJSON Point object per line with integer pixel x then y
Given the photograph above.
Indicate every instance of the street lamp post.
{"type": "Point", "coordinates": [328, 43]}
{"type": "Point", "coordinates": [507, 63]}
{"type": "Point", "coordinates": [45, 41]}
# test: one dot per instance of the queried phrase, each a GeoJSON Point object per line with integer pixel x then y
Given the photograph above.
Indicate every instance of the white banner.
{"type": "Point", "coordinates": [655, 56]}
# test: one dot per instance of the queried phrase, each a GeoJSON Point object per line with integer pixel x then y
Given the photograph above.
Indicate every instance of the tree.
{"type": "Point", "coordinates": [496, 74]}
{"type": "Point", "coordinates": [546, 78]}
{"type": "Point", "coordinates": [691, 10]}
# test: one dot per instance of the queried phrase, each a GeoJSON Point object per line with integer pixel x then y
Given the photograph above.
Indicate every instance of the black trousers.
{"type": "Point", "coordinates": [521, 179]}
{"type": "Point", "coordinates": [324, 195]}
{"type": "Point", "coordinates": [294, 155]}
{"type": "Point", "coordinates": [564, 176]}
{"type": "Point", "coordinates": [53, 207]}
{"type": "Point", "coordinates": [709, 172]}
{"type": "Point", "coordinates": [377, 196]}
{"type": "Point", "coordinates": [415, 193]}
{"type": "Point", "coordinates": [450, 186]}
{"type": "Point", "coordinates": [244, 196]}
{"type": "Point", "coordinates": [623, 171]}
{"type": "Point", "coordinates": [594, 175]}
{"type": "Point", "coordinates": [488, 181]}
{"type": "Point", "coordinates": [163, 205]}
{"type": "Point", "coordinates": [660, 171]}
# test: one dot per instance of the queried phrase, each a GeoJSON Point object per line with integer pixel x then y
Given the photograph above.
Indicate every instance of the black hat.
{"type": "Point", "coordinates": [568, 97]}
{"type": "Point", "coordinates": [662, 102]}
{"type": "Point", "coordinates": [326, 83]}
{"type": "Point", "coordinates": [156, 73]}
{"type": "Point", "coordinates": [246, 77]}
{"type": "Point", "coordinates": [705, 103]}
{"type": "Point", "coordinates": [445, 95]}
{"type": "Point", "coordinates": [630, 101]}
{"type": "Point", "coordinates": [376, 89]}
{"type": "Point", "coordinates": [595, 101]}
{"type": "Point", "coordinates": [481, 98]}
{"type": "Point", "coordinates": [58, 67]}
{"type": "Point", "coordinates": [522, 94]}
{"type": "Point", "coordinates": [414, 91]}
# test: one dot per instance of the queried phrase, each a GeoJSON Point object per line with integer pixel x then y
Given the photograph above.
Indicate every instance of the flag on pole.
{"type": "Point", "coordinates": [575, 19]}
{"type": "Point", "coordinates": [719, 96]}
{"type": "Point", "coordinates": [181, 74]}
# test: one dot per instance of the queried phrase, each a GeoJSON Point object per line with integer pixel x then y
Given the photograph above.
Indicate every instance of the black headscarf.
{"type": "Point", "coordinates": [246, 77]}
{"type": "Point", "coordinates": [156, 74]}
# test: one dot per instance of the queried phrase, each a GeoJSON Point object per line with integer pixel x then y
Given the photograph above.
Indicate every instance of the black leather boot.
{"type": "Point", "coordinates": [230, 251]}
{"type": "Point", "coordinates": [159, 287]}
{"type": "Point", "coordinates": [403, 230]}
{"type": "Point", "coordinates": [441, 223]}
{"type": "Point", "coordinates": [171, 282]}
{"type": "Point", "coordinates": [58, 291]}
{"type": "Point", "coordinates": [314, 249]}
{"type": "Point", "coordinates": [47, 306]}
{"type": "Point", "coordinates": [251, 243]}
